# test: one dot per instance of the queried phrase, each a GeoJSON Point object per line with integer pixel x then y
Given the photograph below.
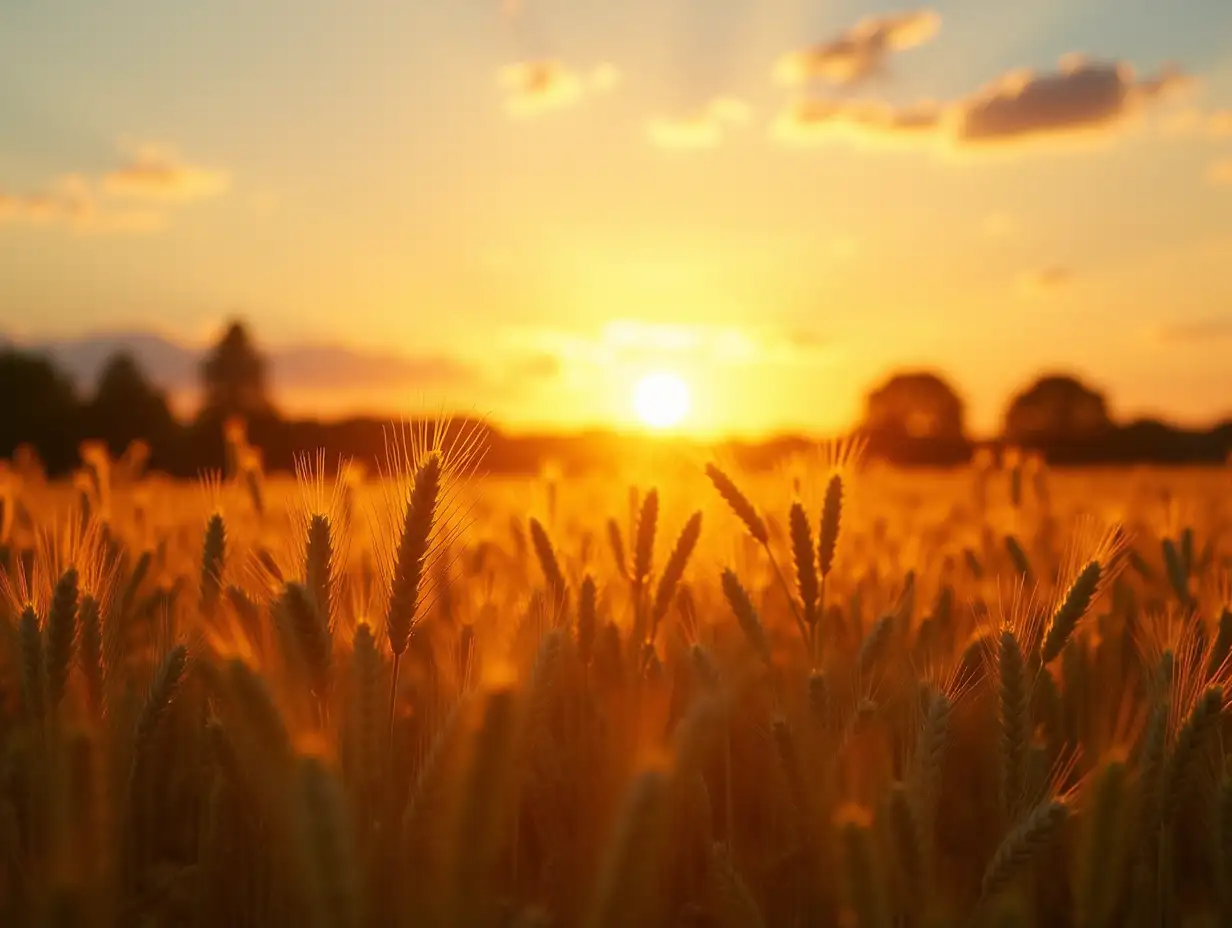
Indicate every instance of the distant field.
{"type": "Point", "coordinates": [837, 692]}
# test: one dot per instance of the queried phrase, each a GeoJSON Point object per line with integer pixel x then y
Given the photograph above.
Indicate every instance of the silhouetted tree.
{"type": "Point", "coordinates": [916, 416]}
{"type": "Point", "coordinates": [233, 379]}
{"type": "Point", "coordinates": [1057, 410]}
{"type": "Point", "coordinates": [127, 407]}
{"type": "Point", "coordinates": [38, 406]}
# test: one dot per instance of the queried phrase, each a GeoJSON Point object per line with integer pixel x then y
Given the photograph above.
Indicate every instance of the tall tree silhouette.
{"type": "Point", "coordinates": [40, 408]}
{"type": "Point", "coordinates": [1057, 410]}
{"type": "Point", "coordinates": [127, 407]}
{"type": "Point", "coordinates": [233, 378]}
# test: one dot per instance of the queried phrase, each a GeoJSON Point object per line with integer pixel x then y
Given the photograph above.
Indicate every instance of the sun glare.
{"type": "Point", "coordinates": [661, 399]}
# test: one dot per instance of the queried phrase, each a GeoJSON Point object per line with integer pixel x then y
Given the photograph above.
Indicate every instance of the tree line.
{"type": "Point", "coordinates": [918, 417]}
{"type": "Point", "coordinates": [914, 417]}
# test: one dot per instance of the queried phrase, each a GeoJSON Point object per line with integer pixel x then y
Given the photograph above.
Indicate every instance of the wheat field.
{"type": "Point", "coordinates": [831, 694]}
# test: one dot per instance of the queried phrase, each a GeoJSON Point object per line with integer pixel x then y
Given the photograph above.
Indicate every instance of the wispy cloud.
{"type": "Point", "coordinates": [68, 200]}
{"type": "Point", "coordinates": [861, 52]}
{"type": "Point", "coordinates": [704, 128]}
{"type": "Point", "coordinates": [154, 172]}
{"type": "Point", "coordinates": [534, 87]}
{"type": "Point", "coordinates": [864, 122]}
{"type": "Point", "coordinates": [1081, 98]}
{"type": "Point", "coordinates": [71, 202]}
{"type": "Point", "coordinates": [98, 205]}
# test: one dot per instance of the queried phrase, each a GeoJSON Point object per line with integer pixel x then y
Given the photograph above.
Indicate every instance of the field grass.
{"type": "Point", "coordinates": [832, 694]}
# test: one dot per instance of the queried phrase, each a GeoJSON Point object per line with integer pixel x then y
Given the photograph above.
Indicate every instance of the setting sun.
{"type": "Point", "coordinates": [661, 399]}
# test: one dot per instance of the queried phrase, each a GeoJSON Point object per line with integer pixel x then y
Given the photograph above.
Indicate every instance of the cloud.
{"type": "Point", "coordinates": [1193, 331]}
{"type": "Point", "coordinates": [88, 205]}
{"type": "Point", "coordinates": [705, 128]}
{"type": "Point", "coordinates": [1082, 97]}
{"type": "Point", "coordinates": [812, 121]}
{"type": "Point", "coordinates": [71, 201]}
{"type": "Point", "coordinates": [1220, 173]}
{"type": "Point", "coordinates": [64, 202]}
{"type": "Point", "coordinates": [534, 87]}
{"type": "Point", "coordinates": [861, 52]}
{"type": "Point", "coordinates": [152, 172]}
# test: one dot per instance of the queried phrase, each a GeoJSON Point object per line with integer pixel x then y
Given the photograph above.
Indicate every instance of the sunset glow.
{"type": "Point", "coordinates": [590, 463]}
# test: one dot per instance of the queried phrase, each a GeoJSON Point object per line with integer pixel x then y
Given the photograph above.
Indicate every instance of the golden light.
{"type": "Point", "coordinates": [661, 399]}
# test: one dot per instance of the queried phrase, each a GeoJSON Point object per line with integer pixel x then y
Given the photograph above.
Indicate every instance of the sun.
{"type": "Point", "coordinates": [661, 399]}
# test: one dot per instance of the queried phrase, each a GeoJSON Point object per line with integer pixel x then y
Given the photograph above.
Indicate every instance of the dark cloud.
{"type": "Point", "coordinates": [1080, 97]}
{"type": "Point", "coordinates": [862, 51]}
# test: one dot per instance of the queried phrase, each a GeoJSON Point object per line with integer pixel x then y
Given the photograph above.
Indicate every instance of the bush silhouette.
{"type": "Point", "coordinates": [1057, 410]}
{"type": "Point", "coordinates": [916, 417]}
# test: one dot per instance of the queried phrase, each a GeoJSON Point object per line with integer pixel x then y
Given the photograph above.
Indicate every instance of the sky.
{"type": "Point", "coordinates": [522, 207]}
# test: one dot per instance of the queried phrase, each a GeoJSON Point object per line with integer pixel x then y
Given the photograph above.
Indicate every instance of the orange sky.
{"type": "Point", "coordinates": [520, 209]}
